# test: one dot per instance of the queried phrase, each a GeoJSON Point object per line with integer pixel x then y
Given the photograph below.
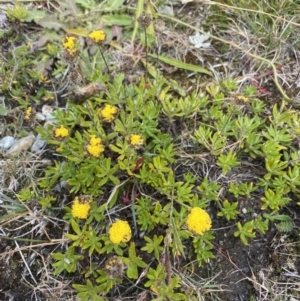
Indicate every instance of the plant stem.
{"type": "Point", "coordinates": [146, 75]}
{"type": "Point", "coordinates": [104, 61]}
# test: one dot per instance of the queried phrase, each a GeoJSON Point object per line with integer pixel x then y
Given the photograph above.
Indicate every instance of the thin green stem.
{"type": "Point", "coordinates": [146, 74]}
{"type": "Point", "coordinates": [104, 61]}
{"type": "Point", "coordinates": [133, 201]}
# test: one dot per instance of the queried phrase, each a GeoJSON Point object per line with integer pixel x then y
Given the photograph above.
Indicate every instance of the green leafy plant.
{"type": "Point", "coordinates": [144, 153]}
{"type": "Point", "coordinates": [134, 262]}
{"type": "Point", "coordinates": [274, 200]}
{"type": "Point", "coordinates": [203, 247]}
{"type": "Point", "coordinates": [229, 210]}
{"type": "Point", "coordinates": [88, 291]}
{"type": "Point", "coordinates": [245, 231]}
{"type": "Point", "coordinates": [243, 189]}
{"type": "Point", "coordinates": [154, 246]}
{"type": "Point", "coordinates": [227, 161]}
{"type": "Point", "coordinates": [66, 261]}
{"type": "Point", "coordinates": [19, 12]}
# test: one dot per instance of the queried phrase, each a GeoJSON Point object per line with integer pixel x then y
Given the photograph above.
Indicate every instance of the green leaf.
{"type": "Point", "coordinates": [35, 15]}
{"type": "Point", "coordinates": [138, 12]}
{"type": "Point", "coordinates": [278, 217]}
{"type": "Point", "coordinates": [180, 64]}
{"type": "Point", "coordinates": [176, 239]}
{"type": "Point", "coordinates": [3, 111]}
{"type": "Point", "coordinates": [50, 22]}
{"type": "Point", "coordinates": [85, 3]}
{"type": "Point", "coordinates": [75, 227]}
{"type": "Point", "coordinates": [120, 20]}
{"type": "Point", "coordinates": [113, 4]}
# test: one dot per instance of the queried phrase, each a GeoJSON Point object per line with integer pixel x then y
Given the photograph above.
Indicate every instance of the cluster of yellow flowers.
{"type": "Point", "coordinates": [242, 98]}
{"type": "Point", "coordinates": [28, 113]}
{"type": "Point", "coordinates": [108, 113]}
{"type": "Point", "coordinates": [95, 146]}
{"type": "Point", "coordinates": [198, 221]}
{"type": "Point", "coordinates": [119, 231]}
{"type": "Point", "coordinates": [97, 36]}
{"type": "Point", "coordinates": [69, 43]}
{"type": "Point", "coordinates": [81, 208]}
{"type": "Point", "coordinates": [61, 132]}
{"type": "Point", "coordinates": [136, 141]}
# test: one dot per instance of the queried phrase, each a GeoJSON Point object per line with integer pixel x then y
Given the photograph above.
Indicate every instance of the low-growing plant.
{"type": "Point", "coordinates": [136, 205]}
{"type": "Point", "coordinates": [229, 210]}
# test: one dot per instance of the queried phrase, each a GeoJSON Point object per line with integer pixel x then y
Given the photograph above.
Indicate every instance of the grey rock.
{"type": "Point", "coordinates": [20, 145]}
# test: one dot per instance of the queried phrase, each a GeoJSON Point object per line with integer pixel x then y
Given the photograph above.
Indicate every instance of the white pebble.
{"type": "Point", "coordinates": [38, 144]}
{"type": "Point", "coordinates": [40, 116]}
{"type": "Point", "coordinates": [47, 110]}
{"type": "Point", "coordinates": [6, 142]}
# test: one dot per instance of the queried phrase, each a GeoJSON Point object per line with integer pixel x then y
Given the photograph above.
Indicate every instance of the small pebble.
{"type": "Point", "coordinates": [6, 142]}
{"type": "Point", "coordinates": [20, 145]}
{"type": "Point", "coordinates": [38, 144]}
{"type": "Point", "coordinates": [245, 270]}
{"type": "Point", "coordinates": [47, 110]}
{"type": "Point", "coordinates": [40, 116]}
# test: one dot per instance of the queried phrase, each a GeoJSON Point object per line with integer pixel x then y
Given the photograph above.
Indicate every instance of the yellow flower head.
{"type": "Point", "coordinates": [61, 132]}
{"type": "Point", "coordinates": [95, 146]}
{"type": "Point", "coordinates": [108, 113]}
{"type": "Point", "coordinates": [119, 231]}
{"type": "Point", "coordinates": [198, 221]}
{"type": "Point", "coordinates": [81, 207]}
{"type": "Point", "coordinates": [136, 141]}
{"type": "Point", "coordinates": [242, 98]}
{"type": "Point", "coordinates": [43, 79]}
{"type": "Point", "coordinates": [29, 114]}
{"type": "Point", "coordinates": [70, 43]}
{"type": "Point", "coordinates": [97, 36]}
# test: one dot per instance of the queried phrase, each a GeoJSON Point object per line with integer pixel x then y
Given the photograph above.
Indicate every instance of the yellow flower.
{"type": "Point", "coordinates": [44, 79]}
{"type": "Point", "coordinates": [108, 113]}
{"type": "Point", "coordinates": [95, 150]}
{"type": "Point", "coordinates": [136, 141]}
{"type": "Point", "coordinates": [242, 98]}
{"type": "Point", "coordinates": [61, 132]}
{"type": "Point", "coordinates": [119, 231]}
{"type": "Point", "coordinates": [81, 208]}
{"type": "Point", "coordinates": [95, 140]}
{"type": "Point", "coordinates": [97, 36]}
{"type": "Point", "coordinates": [198, 221]}
{"type": "Point", "coordinates": [95, 146]}
{"type": "Point", "coordinates": [28, 113]}
{"type": "Point", "coordinates": [69, 43]}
